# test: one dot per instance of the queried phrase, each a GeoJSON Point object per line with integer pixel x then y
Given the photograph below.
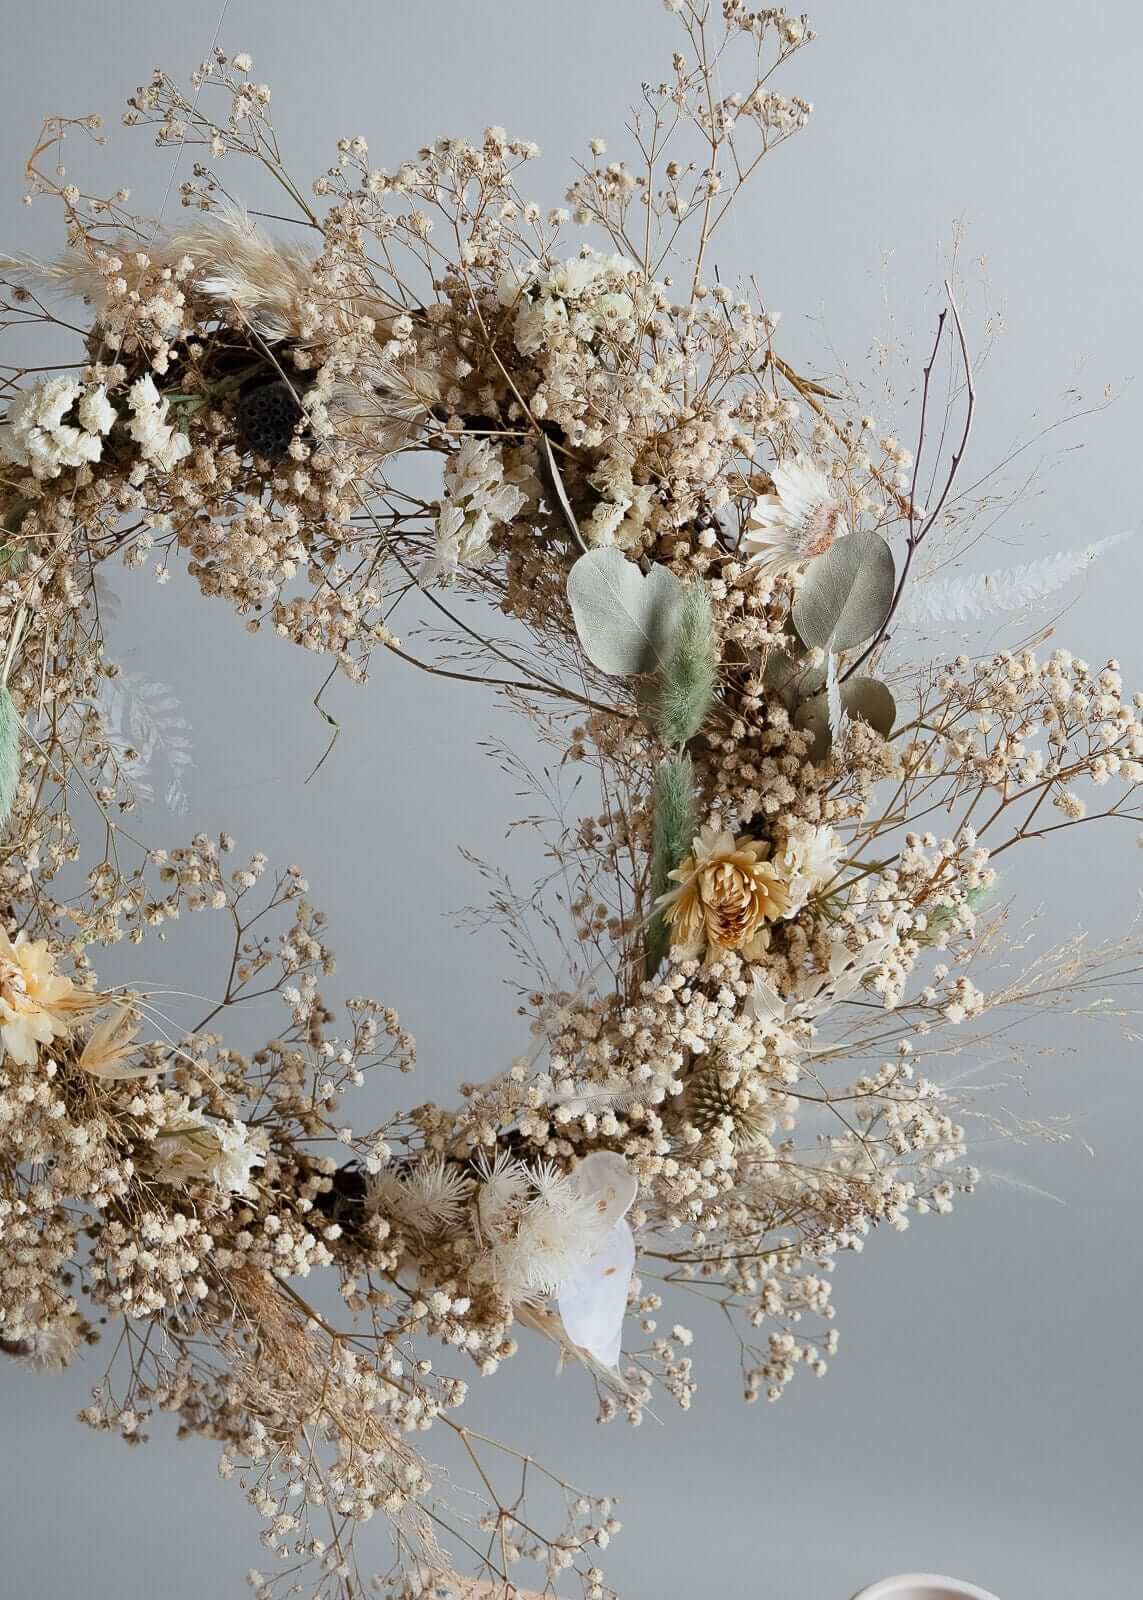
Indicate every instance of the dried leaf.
{"type": "Point", "coordinates": [10, 729]}
{"type": "Point", "coordinates": [628, 623]}
{"type": "Point", "coordinates": [846, 593]}
{"type": "Point", "coordinates": [561, 494]}
{"type": "Point", "coordinates": [862, 700]}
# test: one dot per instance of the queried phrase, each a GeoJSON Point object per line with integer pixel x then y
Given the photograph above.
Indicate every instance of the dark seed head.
{"type": "Point", "coordinates": [266, 418]}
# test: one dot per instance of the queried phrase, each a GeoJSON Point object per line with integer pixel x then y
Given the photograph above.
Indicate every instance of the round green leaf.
{"type": "Point", "coordinates": [846, 593]}
{"type": "Point", "coordinates": [791, 678]}
{"type": "Point", "coordinates": [862, 700]}
{"type": "Point", "coordinates": [866, 700]}
{"type": "Point", "coordinates": [628, 623]}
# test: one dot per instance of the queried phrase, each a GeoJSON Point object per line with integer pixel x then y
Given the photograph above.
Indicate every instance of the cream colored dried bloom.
{"type": "Point", "coordinates": [479, 501]}
{"type": "Point", "coordinates": [37, 1004]}
{"type": "Point", "coordinates": [195, 1146]}
{"type": "Point", "coordinates": [108, 1049]}
{"type": "Point", "coordinates": [809, 860]}
{"type": "Point", "coordinates": [801, 519]}
{"type": "Point", "coordinates": [157, 440]}
{"type": "Point", "coordinates": [37, 437]}
{"type": "Point", "coordinates": [727, 894]}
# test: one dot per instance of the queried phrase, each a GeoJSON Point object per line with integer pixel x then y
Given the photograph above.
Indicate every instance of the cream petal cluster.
{"type": "Point", "coordinates": [478, 501]}
{"type": "Point", "coordinates": [159, 442]}
{"type": "Point", "coordinates": [37, 437]}
{"type": "Point", "coordinates": [37, 1003]}
{"type": "Point", "coordinates": [588, 295]}
{"type": "Point", "coordinates": [809, 861]}
{"type": "Point", "coordinates": [194, 1146]}
{"type": "Point", "coordinates": [727, 892]}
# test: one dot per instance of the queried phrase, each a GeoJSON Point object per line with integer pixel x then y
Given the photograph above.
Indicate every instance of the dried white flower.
{"type": "Point", "coordinates": [799, 520]}
{"type": "Point", "coordinates": [478, 502]}
{"type": "Point", "coordinates": [36, 435]}
{"type": "Point", "coordinates": [593, 1298]}
{"type": "Point", "coordinates": [193, 1146]}
{"type": "Point", "coordinates": [158, 441]}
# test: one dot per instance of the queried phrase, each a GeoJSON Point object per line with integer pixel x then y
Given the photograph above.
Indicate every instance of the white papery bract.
{"type": "Point", "coordinates": [593, 1299]}
{"type": "Point", "coordinates": [478, 502]}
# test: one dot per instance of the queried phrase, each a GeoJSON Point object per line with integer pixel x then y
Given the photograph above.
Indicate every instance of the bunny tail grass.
{"type": "Point", "coordinates": [9, 753]}
{"type": "Point", "coordinates": [674, 831]}
{"type": "Point", "coordinates": [688, 680]}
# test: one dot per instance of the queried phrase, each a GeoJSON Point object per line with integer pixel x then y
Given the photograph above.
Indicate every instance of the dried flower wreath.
{"type": "Point", "coordinates": [706, 558]}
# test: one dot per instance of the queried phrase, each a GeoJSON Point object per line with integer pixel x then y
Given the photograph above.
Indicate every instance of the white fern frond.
{"type": "Point", "coordinates": [970, 598]}
{"type": "Point", "coordinates": [143, 727]}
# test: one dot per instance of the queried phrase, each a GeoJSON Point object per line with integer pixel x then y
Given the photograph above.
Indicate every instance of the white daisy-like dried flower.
{"type": "Point", "coordinates": [799, 520]}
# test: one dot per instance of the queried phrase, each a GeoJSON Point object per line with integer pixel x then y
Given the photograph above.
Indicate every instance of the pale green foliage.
{"type": "Point", "coordinates": [9, 753]}
{"type": "Point", "coordinates": [674, 831]}
{"type": "Point", "coordinates": [861, 700]}
{"type": "Point", "coordinates": [628, 623]}
{"type": "Point", "coordinates": [689, 677]}
{"type": "Point", "coordinates": [846, 593]}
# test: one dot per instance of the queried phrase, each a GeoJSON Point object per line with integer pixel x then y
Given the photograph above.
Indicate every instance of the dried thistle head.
{"type": "Point", "coordinates": [718, 1101]}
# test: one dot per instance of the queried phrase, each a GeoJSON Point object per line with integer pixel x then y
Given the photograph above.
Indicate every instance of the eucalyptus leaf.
{"type": "Point", "coordinates": [627, 622]}
{"type": "Point", "coordinates": [867, 700]}
{"type": "Point", "coordinates": [862, 700]}
{"type": "Point", "coordinates": [846, 592]}
{"type": "Point", "coordinates": [812, 717]}
{"type": "Point", "coordinates": [792, 678]}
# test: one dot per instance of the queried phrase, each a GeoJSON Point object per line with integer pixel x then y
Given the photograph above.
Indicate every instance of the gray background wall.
{"type": "Point", "coordinates": [982, 1415]}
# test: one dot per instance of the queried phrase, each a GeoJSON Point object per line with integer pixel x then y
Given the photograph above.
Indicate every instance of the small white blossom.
{"type": "Point", "coordinates": [158, 441]}
{"type": "Point", "coordinates": [36, 435]}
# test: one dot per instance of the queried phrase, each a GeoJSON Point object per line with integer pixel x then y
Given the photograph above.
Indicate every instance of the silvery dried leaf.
{"type": "Point", "coordinates": [792, 677]}
{"type": "Point", "coordinates": [846, 593]}
{"type": "Point", "coordinates": [867, 700]}
{"type": "Point", "coordinates": [627, 623]}
{"type": "Point", "coordinates": [862, 700]}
